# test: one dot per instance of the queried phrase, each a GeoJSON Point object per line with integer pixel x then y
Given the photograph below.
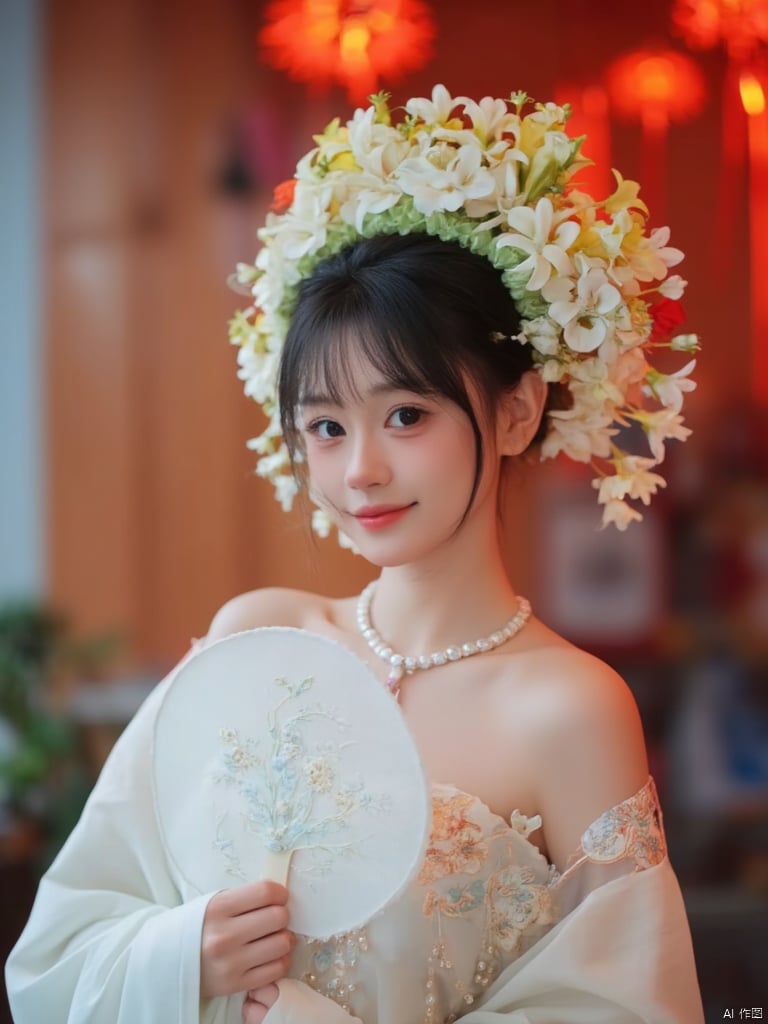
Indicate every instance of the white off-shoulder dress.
{"type": "Point", "coordinates": [487, 932]}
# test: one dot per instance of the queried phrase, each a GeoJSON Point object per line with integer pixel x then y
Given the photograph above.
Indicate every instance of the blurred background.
{"type": "Point", "coordinates": [141, 141]}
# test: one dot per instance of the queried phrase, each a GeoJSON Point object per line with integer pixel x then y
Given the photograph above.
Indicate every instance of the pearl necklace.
{"type": "Point", "coordinates": [399, 665]}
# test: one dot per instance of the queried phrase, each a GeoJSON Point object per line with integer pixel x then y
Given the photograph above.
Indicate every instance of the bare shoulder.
{"type": "Point", "coordinates": [587, 744]}
{"type": "Point", "coordinates": [270, 606]}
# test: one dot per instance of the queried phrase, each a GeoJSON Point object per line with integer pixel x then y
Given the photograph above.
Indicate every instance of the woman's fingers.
{"type": "Point", "coordinates": [245, 941]}
{"type": "Point", "coordinates": [265, 974]}
{"type": "Point", "coordinates": [257, 1002]}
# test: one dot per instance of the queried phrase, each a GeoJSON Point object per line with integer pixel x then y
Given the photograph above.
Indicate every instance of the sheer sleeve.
{"type": "Point", "coordinates": [621, 952]}
{"type": "Point", "coordinates": [110, 939]}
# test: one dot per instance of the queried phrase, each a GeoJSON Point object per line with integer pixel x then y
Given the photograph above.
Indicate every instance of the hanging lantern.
{"type": "Point", "coordinates": [741, 28]}
{"type": "Point", "coordinates": [655, 87]}
{"type": "Point", "coordinates": [353, 42]}
{"type": "Point", "coordinates": [752, 92]}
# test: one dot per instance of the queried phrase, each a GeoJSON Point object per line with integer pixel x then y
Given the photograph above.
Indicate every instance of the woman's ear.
{"type": "Point", "coordinates": [519, 414]}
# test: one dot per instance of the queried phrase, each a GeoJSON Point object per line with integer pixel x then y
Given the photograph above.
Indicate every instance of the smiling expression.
{"type": "Point", "coordinates": [393, 469]}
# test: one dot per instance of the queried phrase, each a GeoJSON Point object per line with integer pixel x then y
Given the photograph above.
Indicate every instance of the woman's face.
{"type": "Point", "coordinates": [394, 470]}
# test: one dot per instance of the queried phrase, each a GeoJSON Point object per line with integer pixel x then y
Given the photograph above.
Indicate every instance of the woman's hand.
{"type": "Point", "coordinates": [245, 944]}
{"type": "Point", "coordinates": [257, 1002]}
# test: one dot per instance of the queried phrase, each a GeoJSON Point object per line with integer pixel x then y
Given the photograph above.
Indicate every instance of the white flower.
{"type": "Point", "coordinates": [652, 257]}
{"type": "Point", "coordinates": [580, 433]}
{"type": "Point", "coordinates": [435, 188]}
{"type": "Point", "coordinates": [545, 236]}
{"type": "Point", "coordinates": [490, 117]}
{"type": "Point", "coordinates": [286, 489]}
{"type": "Point", "coordinates": [632, 479]}
{"type": "Point", "coordinates": [620, 514]}
{"type": "Point", "coordinates": [673, 287]}
{"type": "Point", "coordinates": [438, 111]}
{"type": "Point", "coordinates": [505, 163]}
{"type": "Point", "coordinates": [377, 148]}
{"type": "Point", "coordinates": [542, 333]}
{"type": "Point", "coordinates": [643, 483]}
{"type": "Point", "coordinates": [553, 370]}
{"type": "Point", "coordinates": [659, 426]}
{"type": "Point", "coordinates": [259, 370]}
{"type": "Point", "coordinates": [372, 195]}
{"type": "Point", "coordinates": [322, 523]}
{"type": "Point", "coordinates": [583, 306]}
{"type": "Point", "coordinates": [668, 388]}
{"type": "Point", "coordinates": [595, 375]}
{"type": "Point", "coordinates": [685, 343]}
{"type": "Point", "coordinates": [549, 114]}
{"type": "Point", "coordinates": [303, 229]}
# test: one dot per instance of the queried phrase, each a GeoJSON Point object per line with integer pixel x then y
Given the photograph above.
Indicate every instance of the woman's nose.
{"type": "Point", "coordinates": [368, 465]}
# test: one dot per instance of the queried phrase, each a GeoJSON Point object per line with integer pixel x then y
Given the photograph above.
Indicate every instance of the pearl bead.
{"type": "Point", "coordinates": [409, 664]}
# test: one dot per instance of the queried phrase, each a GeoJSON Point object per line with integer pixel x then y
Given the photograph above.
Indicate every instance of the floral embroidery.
{"type": "Point", "coordinates": [292, 797]}
{"type": "Point", "coordinates": [517, 901]}
{"type": "Point", "coordinates": [456, 845]}
{"type": "Point", "coordinates": [505, 904]}
{"type": "Point", "coordinates": [460, 899]}
{"type": "Point", "coordinates": [632, 829]}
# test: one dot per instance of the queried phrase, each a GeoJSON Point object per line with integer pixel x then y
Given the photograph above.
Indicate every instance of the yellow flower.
{"type": "Point", "coordinates": [625, 197]}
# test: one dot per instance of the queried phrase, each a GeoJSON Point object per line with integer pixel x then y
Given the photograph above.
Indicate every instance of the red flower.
{"type": "Point", "coordinates": [667, 315]}
{"type": "Point", "coordinates": [283, 195]}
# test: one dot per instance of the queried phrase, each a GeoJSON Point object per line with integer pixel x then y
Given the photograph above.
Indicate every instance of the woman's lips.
{"type": "Point", "coordinates": [376, 517]}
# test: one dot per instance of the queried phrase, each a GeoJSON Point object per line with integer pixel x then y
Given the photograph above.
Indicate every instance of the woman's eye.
{"type": "Point", "coordinates": [406, 416]}
{"type": "Point", "coordinates": [326, 429]}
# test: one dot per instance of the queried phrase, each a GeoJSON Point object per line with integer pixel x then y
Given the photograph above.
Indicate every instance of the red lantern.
{"type": "Point", "coordinates": [353, 42]}
{"type": "Point", "coordinates": [741, 27]}
{"type": "Point", "coordinates": [655, 87]}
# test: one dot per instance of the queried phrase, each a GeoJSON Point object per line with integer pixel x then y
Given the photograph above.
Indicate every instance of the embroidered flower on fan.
{"type": "Point", "coordinates": [243, 758]}
{"type": "Point", "coordinates": [319, 774]}
{"type": "Point", "coordinates": [285, 789]}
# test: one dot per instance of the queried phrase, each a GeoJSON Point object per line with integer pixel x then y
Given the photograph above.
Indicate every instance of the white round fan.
{"type": "Point", "coordinates": [278, 754]}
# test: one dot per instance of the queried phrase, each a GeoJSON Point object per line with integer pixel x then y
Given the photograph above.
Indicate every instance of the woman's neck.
{"type": "Point", "coordinates": [461, 596]}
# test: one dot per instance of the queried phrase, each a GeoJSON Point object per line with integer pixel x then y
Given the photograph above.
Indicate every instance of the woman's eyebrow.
{"type": "Point", "coordinates": [380, 388]}
{"type": "Point", "coordinates": [313, 400]}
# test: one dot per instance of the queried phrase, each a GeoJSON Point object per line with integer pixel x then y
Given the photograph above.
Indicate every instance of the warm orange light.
{"type": "Point", "coordinates": [656, 86]}
{"type": "Point", "coordinates": [740, 25]}
{"type": "Point", "coordinates": [752, 95]}
{"type": "Point", "coordinates": [354, 42]}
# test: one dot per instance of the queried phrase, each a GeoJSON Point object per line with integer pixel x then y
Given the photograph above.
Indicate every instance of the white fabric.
{"type": "Point", "coordinates": [114, 937]}
{"type": "Point", "coordinates": [277, 742]}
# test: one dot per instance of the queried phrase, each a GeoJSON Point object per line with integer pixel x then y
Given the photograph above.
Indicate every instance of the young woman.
{"type": "Point", "coordinates": [408, 381]}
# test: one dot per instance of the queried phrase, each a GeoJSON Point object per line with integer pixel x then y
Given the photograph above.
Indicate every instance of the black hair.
{"type": "Point", "coordinates": [428, 315]}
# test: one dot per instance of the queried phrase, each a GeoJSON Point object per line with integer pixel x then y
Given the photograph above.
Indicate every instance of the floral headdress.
{"type": "Point", "coordinates": [592, 288]}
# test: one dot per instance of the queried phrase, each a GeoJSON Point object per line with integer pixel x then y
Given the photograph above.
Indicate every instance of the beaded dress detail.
{"type": "Point", "coordinates": [484, 895]}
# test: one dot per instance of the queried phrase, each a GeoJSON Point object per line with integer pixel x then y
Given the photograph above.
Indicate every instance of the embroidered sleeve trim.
{"type": "Point", "coordinates": [632, 830]}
